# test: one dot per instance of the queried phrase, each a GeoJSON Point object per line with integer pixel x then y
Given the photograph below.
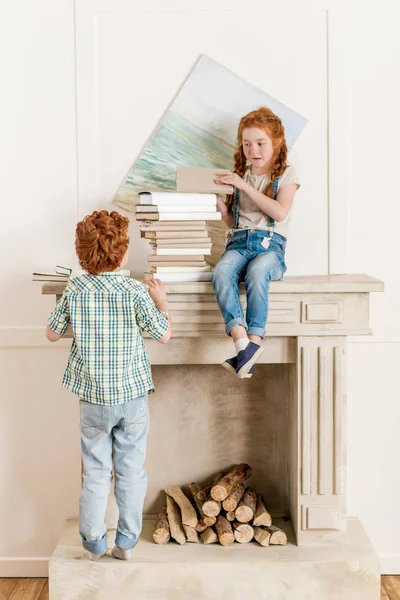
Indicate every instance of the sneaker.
{"type": "Point", "coordinates": [247, 358]}
{"type": "Point", "coordinates": [230, 365]}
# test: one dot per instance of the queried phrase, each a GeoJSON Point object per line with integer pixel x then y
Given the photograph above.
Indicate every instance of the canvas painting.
{"type": "Point", "coordinates": [199, 129]}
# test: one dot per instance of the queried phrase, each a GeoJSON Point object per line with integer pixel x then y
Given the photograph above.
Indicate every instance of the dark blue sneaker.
{"type": "Point", "coordinates": [230, 365]}
{"type": "Point", "coordinates": [247, 358]}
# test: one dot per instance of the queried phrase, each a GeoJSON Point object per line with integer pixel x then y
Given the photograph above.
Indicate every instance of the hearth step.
{"type": "Point", "coordinates": [214, 572]}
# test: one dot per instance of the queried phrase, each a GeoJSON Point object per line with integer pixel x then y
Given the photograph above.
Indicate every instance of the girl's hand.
{"type": "Point", "coordinates": [230, 179]}
{"type": "Point", "coordinates": [221, 206]}
{"type": "Point", "coordinates": [156, 290]}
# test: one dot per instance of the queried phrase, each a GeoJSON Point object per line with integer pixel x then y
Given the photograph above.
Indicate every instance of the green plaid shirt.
{"type": "Point", "coordinates": [108, 361]}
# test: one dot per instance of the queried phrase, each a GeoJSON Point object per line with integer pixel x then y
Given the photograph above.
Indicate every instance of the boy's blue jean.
{"type": "Point", "coordinates": [246, 259]}
{"type": "Point", "coordinates": [120, 433]}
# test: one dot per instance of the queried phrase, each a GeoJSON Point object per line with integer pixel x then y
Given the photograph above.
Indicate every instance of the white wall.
{"type": "Point", "coordinates": [39, 428]}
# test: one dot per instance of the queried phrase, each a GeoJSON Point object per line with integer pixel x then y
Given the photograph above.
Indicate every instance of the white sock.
{"type": "Point", "coordinates": [241, 344]}
{"type": "Point", "coordinates": [120, 553]}
{"type": "Point", "coordinates": [92, 556]}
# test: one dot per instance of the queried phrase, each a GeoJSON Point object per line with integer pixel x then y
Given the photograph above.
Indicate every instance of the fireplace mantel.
{"type": "Point", "coordinates": [309, 321]}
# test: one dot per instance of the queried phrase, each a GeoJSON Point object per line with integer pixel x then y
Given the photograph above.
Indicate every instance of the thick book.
{"type": "Point", "coordinates": [53, 276]}
{"type": "Point", "coordinates": [197, 179]}
{"type": "Point", "coordinates": [159, 262]}
{"type": "Point", "coordinates": [172, 226]}
{"type": "Point", "coordinates": [182, 241]}
{"type": "Point", "coordinates": [174, 208]}
{"type": "Point", "coordinates": [176, 235]}
{"type": "Point", "coordinates": [182, 258]}
{"type": "Point", "coordinates": [175, 198]}
{"type": "Point", "coordinates": [187, 269]}
{"type": "Point", "coordinates": [184, 216]}
{"type": "Point", "coordinates": [178, 277]}
{"type": "Point", "coordinates": [181, 251]}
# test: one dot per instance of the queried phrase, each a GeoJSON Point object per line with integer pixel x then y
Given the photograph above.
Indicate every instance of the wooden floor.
{"type": "Point", "coordinates": [38, 588]}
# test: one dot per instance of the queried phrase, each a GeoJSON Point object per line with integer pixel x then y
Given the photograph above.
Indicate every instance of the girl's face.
{"type": "Point", "coordinates": [258, 148]}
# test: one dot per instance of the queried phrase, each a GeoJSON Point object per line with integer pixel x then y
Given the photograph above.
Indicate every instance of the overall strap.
{"type": "Point", "coordinates": [271, 221]}
{"type": "Point", "coordinates": [235, 209]}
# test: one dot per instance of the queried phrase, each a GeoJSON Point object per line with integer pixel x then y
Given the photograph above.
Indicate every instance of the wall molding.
{"type": "Point", "coordinates": [24, 567]}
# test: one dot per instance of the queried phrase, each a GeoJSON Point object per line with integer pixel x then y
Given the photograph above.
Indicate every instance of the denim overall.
{"type": "Point", "coordinates": [257, 257]}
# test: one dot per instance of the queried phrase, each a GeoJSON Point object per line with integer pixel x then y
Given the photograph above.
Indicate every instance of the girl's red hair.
{"type": "Point", "coordinates": [262, 118]}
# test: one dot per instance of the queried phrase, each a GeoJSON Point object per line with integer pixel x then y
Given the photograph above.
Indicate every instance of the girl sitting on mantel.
{"type": "Point", "coordinates": [258, 214]}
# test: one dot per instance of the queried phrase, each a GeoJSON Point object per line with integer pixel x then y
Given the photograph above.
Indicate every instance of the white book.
{"type": "Point", "coordinates": [205, 269]}
{"type": "Point", "coordinates": [183, 251]}
{"type": "Point", "coordinates": [162, 198]}
{"type": "Point", "coordinates": [179, 277]}
{"type": "Point", "coordinates": [188, 216]}
{"type": "Point", "coordinates": [175, 208]}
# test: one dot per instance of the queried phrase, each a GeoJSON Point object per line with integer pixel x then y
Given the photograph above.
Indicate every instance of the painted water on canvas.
{"type": "Point", "coordinates": [199, 129]}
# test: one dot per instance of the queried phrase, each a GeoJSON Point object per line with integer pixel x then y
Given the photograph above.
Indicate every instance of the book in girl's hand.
{"type": "Point", "coordinates": [197, 179]}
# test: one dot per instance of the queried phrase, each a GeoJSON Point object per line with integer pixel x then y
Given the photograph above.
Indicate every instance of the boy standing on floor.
{"type": "Point", "coordinates": [109, 370]}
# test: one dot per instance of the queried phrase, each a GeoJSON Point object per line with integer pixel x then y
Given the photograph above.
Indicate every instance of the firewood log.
{"type": "Point", "coordinates": [278, 536]}
{"type": "Point", "coordinates": [243, 532]}
{"type": "Point", "coordinates": [201, 526]}
{"type": "Point", "coordinates": [199, 497]}
{"type": "Point", "coordinates": [175, 521]}
{"type": "Point", "coordinates": [247, 506]}
{"type": "Point", "coordinates": [230, 515]}
{"type": "Point", "coordinates": [210, 507]}
{"type": "Point", "coordinates": [209, 536]}
{"type": "Point", "coordinates": [191, 534]}
{"type": "Point", "coordinates": [261, 516]}
{"type": "Point", "coordinates": [189, 516]}
{"type": "Point", "coordinates": [224, 531]}
{"type": "Point", "coordinates": [221, 490]}
{"type": "Point", "coordinates": [262, 536]}
{"type": "Point", "coordinates": [161, 534]}
{"type": "Point", "coordinates": [231, 502]}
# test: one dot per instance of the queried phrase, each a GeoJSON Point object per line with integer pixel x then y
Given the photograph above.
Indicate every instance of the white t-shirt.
{"type": "Point", "coordinates": [250, 216]}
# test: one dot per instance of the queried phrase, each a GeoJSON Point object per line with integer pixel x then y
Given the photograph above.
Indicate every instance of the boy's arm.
{"type": "Point", "coordinates": [51, 335]}
{"type": "Point", "coordinates": [152, 311]}
{"type": "Point", "coordinates": [59, 320]}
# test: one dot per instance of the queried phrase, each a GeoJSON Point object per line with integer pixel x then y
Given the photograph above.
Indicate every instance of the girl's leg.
{"type": "Point", "coordinates": [263, 269]}
{"type": "Point", "coordinates": [96, 446]}
{"type": "Point", "coordinates": [130, 439]}
{"type": "Point", "coordinates": [225, 279]}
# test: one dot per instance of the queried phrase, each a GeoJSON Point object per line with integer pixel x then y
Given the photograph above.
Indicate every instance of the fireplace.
{"type": "Point", "coordinates": [287, 421]}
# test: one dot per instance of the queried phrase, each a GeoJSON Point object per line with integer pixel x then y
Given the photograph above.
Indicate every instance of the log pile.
{"type": "Point", "coordinates": [224, 512]}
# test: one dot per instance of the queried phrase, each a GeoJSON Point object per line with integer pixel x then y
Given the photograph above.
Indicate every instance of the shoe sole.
{"type": "Point", "coordinates": [244, 371]}
{"type": "Point", "coordinates": [228, 368]}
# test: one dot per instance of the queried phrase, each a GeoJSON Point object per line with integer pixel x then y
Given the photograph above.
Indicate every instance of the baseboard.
{"type": "Point", "coordinates": [24, 567]}
{"type": "Point", "coordinates": [390, 564]}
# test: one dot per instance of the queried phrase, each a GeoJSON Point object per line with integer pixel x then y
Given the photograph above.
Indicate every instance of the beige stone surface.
{"type": "Point", "coordinates": [214, 572]}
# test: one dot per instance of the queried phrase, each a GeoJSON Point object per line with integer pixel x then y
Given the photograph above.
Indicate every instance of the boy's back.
{"type": "Point", "coordinates": [108, 362]}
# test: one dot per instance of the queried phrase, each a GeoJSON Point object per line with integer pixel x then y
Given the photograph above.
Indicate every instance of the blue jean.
{"type": "Point", "coordinates": [246, 259]}
{"type": "Point", "coordinates": [113, 434]}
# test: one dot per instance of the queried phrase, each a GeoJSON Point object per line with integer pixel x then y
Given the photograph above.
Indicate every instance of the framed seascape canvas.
{"type": "Point", "coordinates": [199, 129]}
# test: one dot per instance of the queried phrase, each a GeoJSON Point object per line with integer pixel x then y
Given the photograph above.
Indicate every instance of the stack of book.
{"type": "Point", "coordinates": [175, 225]}
{"type": "Point", "coordinates": [60, 275]}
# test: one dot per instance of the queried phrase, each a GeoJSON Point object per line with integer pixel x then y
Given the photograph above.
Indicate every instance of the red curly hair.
{"type": "Point", "coordinates": [101, 241]}
{"type": "Point", "coordinates": [262, 118]}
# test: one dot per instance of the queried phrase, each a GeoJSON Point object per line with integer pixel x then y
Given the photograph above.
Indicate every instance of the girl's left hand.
{"type": "Point", "coordinates": [230, 179]}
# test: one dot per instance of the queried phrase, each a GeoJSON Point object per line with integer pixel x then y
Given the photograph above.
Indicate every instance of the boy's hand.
{"type": "Point", "coordinates": [156, 290]}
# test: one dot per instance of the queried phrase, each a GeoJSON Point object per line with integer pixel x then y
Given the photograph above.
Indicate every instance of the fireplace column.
{"type": "Point", "coordinates": [318, 456]}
